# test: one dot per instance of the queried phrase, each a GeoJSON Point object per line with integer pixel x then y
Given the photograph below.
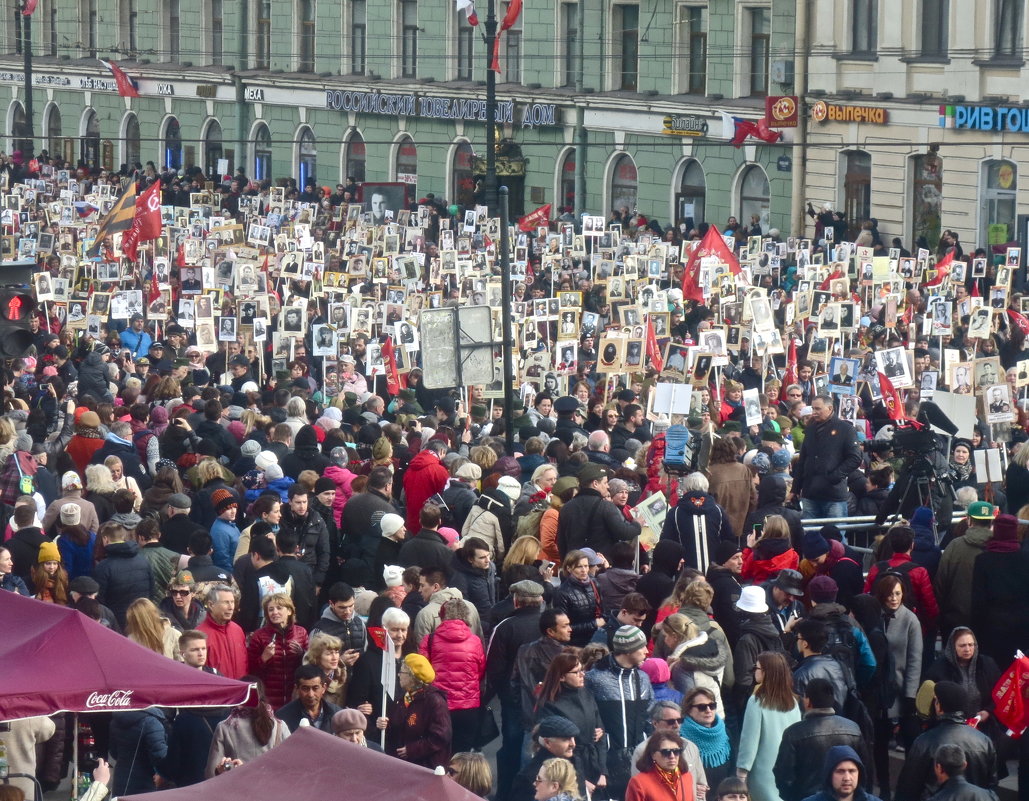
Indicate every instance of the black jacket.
{"type": "Point", "coordinates": [217, 433]}
{"type": "Point", "coordinates": [657, 585]}
{"type": "Point", "coordinates": [360, 537]}
{"type": "Point", "coordinates": [771, 495]}
{"type": "Point", "coordinates": [959, 789]}
{"type": "Point", "coordinates": [24, 547]}
{"type": "Point", "coordinates": [93, 378]}
{"type": "Point", "coordinates": [583, 605]}
{"type": "Point", "coordinates": [821, 666]}
{"type": "Point", "coordinates": [478, 586]}
{"type": "Point", "coordinates": [1000, 609]}
{"type": "Point", "coordinates": [426, 549]}
{"type": "Point", "coordinates": [123, 576]}
{"type": "Point", "coordinates": [129, 459]}
{"type": "Point", "coordinates": [681, 526]}
{"type": "Point", "coordinates": [313, 536]}
{"type": "Point", "coordinates": [578, 706]}
{"type": "Point", "coordinates": [723, 606]}
{"type": "Point", "coordinates": [303, 590]}
{"type": "Point", "coordinates": [588, 521]}
{"type": "Point", "coordinates": [757, 634]}
{"type": "Point", "coordinates": [530, 668]}
{"type": "Point", "coordinates": [176, 531]}
{"type": "Point", "coordinates": [803, 748]}
{"type": "Point", "coordinates": [917, 779]}
{"type": "Point", "coordinates": [828, 455]}
{"type": "Point", "coordinates": [510, 634]}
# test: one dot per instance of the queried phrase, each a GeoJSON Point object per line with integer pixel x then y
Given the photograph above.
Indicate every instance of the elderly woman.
{"type": "Point", "coordinates": [663, 772]}
{"type": "Point", "coordinates": [418, 726]}
{"type": "Point", "coordinates": [324, 651]}
{"type": "Point", "coordinates": [349, 724]}
{"type": "Point", "coordinates": [122, 481]}
{"type": "Point", "coordinates": [364, 690]}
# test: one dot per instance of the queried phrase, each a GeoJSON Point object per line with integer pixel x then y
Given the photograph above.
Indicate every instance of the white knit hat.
{"type": "Point", "coordinates": [393, 575]}
{"type": "Point", "coordinates": [264, 459]}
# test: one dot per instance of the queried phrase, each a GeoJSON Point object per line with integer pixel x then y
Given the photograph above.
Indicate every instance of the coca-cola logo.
{"type": "Point", "coordinates": [116, 698]}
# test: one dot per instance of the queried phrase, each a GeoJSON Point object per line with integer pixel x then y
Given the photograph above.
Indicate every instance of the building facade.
{"type": "Point", "coordinates": [921, 120]}
{"type": "Point", "coordinates": [394, 90]}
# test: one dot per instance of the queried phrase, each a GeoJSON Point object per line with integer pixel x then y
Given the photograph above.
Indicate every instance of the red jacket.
{"type": "Point", "coordinates": [81, 450]}
{"type": "Point", "coordinates": [925, 599]}
{"type": "Point", "coordinates": [457, 657]}
{"type": "Point", "coordinates": [277, 672]}
{"type": "Point", "coordinates": [758, 570]}
{"type": "Point", "coordinates": [226, 647]}
{"type": "Point", "coordinates": [425, 476]}
{"type": "Point", "coordinates": [649, 786]}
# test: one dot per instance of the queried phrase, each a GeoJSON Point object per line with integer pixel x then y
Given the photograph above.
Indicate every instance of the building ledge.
{"type": "Point", "coordinates": [866, 57]}
{"type": "Point", "coordinates": [999, 63]}
{"type": "Point", "coordinates": [924, 60]}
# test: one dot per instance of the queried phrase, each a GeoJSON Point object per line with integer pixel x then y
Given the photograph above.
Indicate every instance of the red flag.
{"type": "Point", "coordinates": [975, 289]}
{"type": "Point", "coordinates": [942, 270]}
{"type": "Point", "coordinates": [790, 376]}
{"type": "Point", "coordinates": [146, 222]}
{"type": "Point", "coordinates": [155, 292]}
{"type": "Point", "coordinates": [653, 353]}
{"type": "Point", "coordinates": [514, 8]}
{"type": "Point", "coordinates": [1009, 695]}
{"type": "Point", "coordinates": [377, 634]}
{"type": "Point", "coordinates": [891, 399]}
{"type": "Point", "coordinates": [392, 374]}
{"type": "Point", "coordinates": [468, 7]}
{"type": "Point", "coordinates": [837, 273]}
{"type": "Point", "coordinates": [126, 87]}
{"type": "Point", "coordinates": [30, 6]}
{"type": "Point", "coordinates": [531, 221]}
{"type": "Point", "coordinates": [742, 128]}
{"type": "Point", "coordinates": [1019, 320]}
{"type": "Point", "coordinates": [711, 245]}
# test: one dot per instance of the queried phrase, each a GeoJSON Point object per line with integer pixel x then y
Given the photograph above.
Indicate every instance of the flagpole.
{"type": "Point", "coordinates": [26, 49]}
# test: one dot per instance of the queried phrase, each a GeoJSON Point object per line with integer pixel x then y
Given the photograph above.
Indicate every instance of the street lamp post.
{"type": "Point", "coordinates": [26, 49]}
{"type": "Point", "coordinates": [490, 187]}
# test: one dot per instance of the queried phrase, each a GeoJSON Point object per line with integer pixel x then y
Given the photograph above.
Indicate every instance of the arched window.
{"type": "Point", "coordinates": [130, 145]}
{"type": "Point", "coordinates": [566, 180]}
{"type": "Point", "coordinates": [926, 198]}
{"type": "Point", "coordinates": [624, 184]}
{"type": "Point", "coordinates": [53, 131]}
{"type": "Point", "coordinates": [857, 188]}
{"type": "Point", "coordinates": [262, 153]}
{"type": "Point", "coordinates": [997, 202]}
{"type": "Point", "coordinates": [213, 149]}
{"type": "Point", "coordinates": [89, 144]}
{"type": "Point", "coordinates": [407, 161]}
{"type": "Point", "coordinates": [172, 145]}
{"type": "Point", "coordinates": [353, 161]}
{"type": "Point", "coordinates": [307, 159]}
{"type": "Point", "coordinates": [754, 196]}
{"type": "Point", "coordinates": [691, 194]}
{"type": "Point", "coordinates": [463, 177]}
{"type": "Point", "coordinates": [21, 136]}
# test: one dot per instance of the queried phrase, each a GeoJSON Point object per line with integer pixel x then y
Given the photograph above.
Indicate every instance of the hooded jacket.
{"type": "Point", "coordinates": [306, 455]}
{"type": "Point", "coordinates": [425, 476]}
{"type": "Point", "coordinates": [614, 584]}
{"type": "Point", "coordinates": [926, 552]}
{"type": "Point", "coordinates": [757, 633]}
{"type": "Point", "coordinates": [456, 655]}
{"type": "Point", "coordinates": [478, 585]}
{"type": "Point", "coordinates": [122, 448]}
{"type": "Point", "coordinates": [771, 495]}
{"type": "Point", "coordinates": [279, 485]}
{"type": "Point", "coordinates": [428, 618]}
{"type": "Point", "coordinates": [343, 479]}
{"type": "Point", "coordinates": [313, 536]}
{"type": "Point", "coordinates": [833, 757]}
{"type": "Point", "coordinates": [728, 589]}
{"type": "Point", "coordinates": [657, 585]}
{"type": "Point", "coordinates": [681, 527]}
{"type": "Point", "coordinates": [124, 575]}
{"type": "Point", "coordinates": [767, 558]}
{"type": "Point", "coordinates": [93, 378]}
{"type": "Point", "coordinates": [139, 742]}
{"type": "Point", "coordinates": [623, 696]}
{"type": "Point", "coordinates": [980, 676]}
{"type": "Point", "coordinates": [491, 521]}
{"type": "Point", "coordinates": [954, 576]}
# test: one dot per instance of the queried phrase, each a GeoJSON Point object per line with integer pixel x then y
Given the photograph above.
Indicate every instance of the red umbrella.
{"type": "Point", "coordinates": [58, 660]}
{"type": "Point", "coordinates": [311, 764]}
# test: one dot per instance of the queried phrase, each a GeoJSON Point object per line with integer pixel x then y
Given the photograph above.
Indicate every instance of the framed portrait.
{"type": "Point", "coordinates": [893, 363]}
{"type": "Point", "coordinates": [959, 377]}
{"type": "Point", "coordinates": [843, 374]}
{"type": "Point", "coordinates": [998, 405]}
{"type": "Point", "coordinates": [987, 372]}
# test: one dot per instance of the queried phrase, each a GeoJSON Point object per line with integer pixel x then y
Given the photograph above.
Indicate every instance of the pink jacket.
{"type": "Point", "coordinates": [457, 657]}
{"type": "Point", "coordinates": [343, 479]}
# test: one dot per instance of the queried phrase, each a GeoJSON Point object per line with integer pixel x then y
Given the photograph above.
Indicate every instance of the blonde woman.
{"type": "Point", "coordinates": [100, 489]}
{"type": "Point", "coordinates": [692, 655]}
{"type": "Point", "coordinates": [324, 651]}
{"type": "Point", "coordinates": [122, 481]}
{"type": "Point", "coordinates": [145, 625]}
{"type": "Point", "coordinates": [556, 781]}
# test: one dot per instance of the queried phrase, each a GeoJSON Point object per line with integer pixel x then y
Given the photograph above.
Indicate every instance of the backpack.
{"type": "Point", "coordinates": [842, 646]}
{"type": "Point", "coordinates": [902, 573]}
{"type": "Point", "coordinates": [529, 523]}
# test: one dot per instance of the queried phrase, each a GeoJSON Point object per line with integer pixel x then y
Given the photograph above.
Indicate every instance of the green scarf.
{"type": "Point", "coordinates": [712, 742]}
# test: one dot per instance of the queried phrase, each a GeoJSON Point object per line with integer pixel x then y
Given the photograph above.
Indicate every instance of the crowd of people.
{"type": "Point", "coordinates": [229, 452]}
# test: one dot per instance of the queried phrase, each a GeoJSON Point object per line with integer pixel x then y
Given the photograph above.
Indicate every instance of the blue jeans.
{"type": "Point", "coordinates": [811, 509]}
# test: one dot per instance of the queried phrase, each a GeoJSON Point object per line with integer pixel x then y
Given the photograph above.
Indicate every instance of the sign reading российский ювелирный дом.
{"type": "Point", "coordinates": [528, 115]}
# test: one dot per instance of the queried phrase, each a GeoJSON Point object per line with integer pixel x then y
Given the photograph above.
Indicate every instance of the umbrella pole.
{"type": "Point", "coordinates": [382, 734]}
{"type": "Point", "coordinates": [75, 756]}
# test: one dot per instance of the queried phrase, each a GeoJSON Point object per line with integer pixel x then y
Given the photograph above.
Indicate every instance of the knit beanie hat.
{"type": "Point", "coordinates": [628, 639]}
{"type": "Point", "coordinates": [222, 499]}
{"type": "Point", "coordinates": [823, 590]}
{"type": "Point", "coordinates": [390, 524]}
{"type": "Point", "coordinates": [382, 450]}
{"type": "Point", "coordinates": [48, 553]}
{"type": "Point", "coordinates": [421, 668]}
{"type": "Point", "coordinates": [71, 515]}
{"type": "Point", "coordinates": [814, 545]}
{"type": "Point", "coordinates": [251, 448]}
{"type": "Point", "coordinates": [324, 484]}
{"type": "Point", "coordinates": [725, 550]}
{"type": "Point", "coordinates": [265, 458]}
{"type": "Point", "coordinates": [657, 670]}
{"type": "Point", "coordinates": [393, 575]}
{"type": "Point", "coordinates": [780, 459]}
{"type": "Point", "coordinates": [469, 471]}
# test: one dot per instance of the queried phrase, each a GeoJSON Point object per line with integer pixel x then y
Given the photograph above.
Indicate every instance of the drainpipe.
{"type": "Point", "coordinates": [242, 109]}
{"type": "Point", "coordinates": [800, 59]}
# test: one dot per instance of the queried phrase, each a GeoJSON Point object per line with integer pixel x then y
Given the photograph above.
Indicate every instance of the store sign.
{"type": "Point", "coordinates": [782, 111]}
{"type": "Point", "coordinates": [165, 89]}
{"type": "Point", "coordinates": [528, 115]}
{"type": "Point", "coordinates": [253, 94]}
{"type": "Point", "coordinates": [684, 125]}
{"type": "Point", "coordinates": [831, 112]}
{"type": "Point", "coordinates": [985, 118]}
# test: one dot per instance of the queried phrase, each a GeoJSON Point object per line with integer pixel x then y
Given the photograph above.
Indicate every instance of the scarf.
{"type": "Point", "coordinates": [961, 472]}
{"type": "Point", "coordinates": [713, 742]}
{"type": "Point", "coordinates": [670, 777]}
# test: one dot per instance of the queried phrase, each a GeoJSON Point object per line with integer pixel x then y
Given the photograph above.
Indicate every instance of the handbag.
{"type": "Point", "coordinates": [487, 730]}
{"type": "Point", "coordinates": [26, 484]}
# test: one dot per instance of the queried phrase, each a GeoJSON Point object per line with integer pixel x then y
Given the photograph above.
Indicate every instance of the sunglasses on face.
{"type": "Point", "coordinates": [178, 592]}
{"type": "Point", "coordinates": [676, 721]}
{"type": "Point", "coordinates": [706, 707]}
{"type": "Point", "coordinates": [669, 752]}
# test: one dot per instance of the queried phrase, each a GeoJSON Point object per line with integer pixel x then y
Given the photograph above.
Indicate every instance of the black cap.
{"type": "Point", "coordinates": [239, 360]}
{"type": "Point", "coordinates": [566, 404]}
{"type": "Point", "coordinates": [590, 472]}
{"type": "Point", "coordinates": [627, 395]}
{"type": "Point", "coordinates": [156, 345]}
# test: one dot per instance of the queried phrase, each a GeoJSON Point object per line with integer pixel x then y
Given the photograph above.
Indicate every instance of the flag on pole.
{"type": "Point", "coordinates": [118, 219]}
{"type": "Point", "coordinates": [1020, 320]}
{"type": "Point", "coordinates": [126, 86]}
{"type": "Point", "coordinates": [790, 376]}
{"type": "Point", "coordinates": [30, 6]}
{"type": "Point", "coordinates": [891, 399]}
{"type": "Point", "coordinates": [514, 9]}
{"type": "Point", "coordinates": [531, 221]}
{"type": "Point", "coordinates": [653, 353]}
{"type": "Point", "coordinates": [146, 221]}
{"type": "Point", "coordinates": [468, 7]}
{"type": "Point", "coordinates": [389, 666]}
{"type": "Point", "coordinates": [737, 129]}
{"type": "Point", "coordinates": [711, 245]}
{"type": "Point", "coordinates": [943, 267]}
{"type": "Point", "coordinates": [389, 356]}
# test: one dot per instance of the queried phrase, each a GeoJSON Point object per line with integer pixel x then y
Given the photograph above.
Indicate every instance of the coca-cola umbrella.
{"type": "Point", "coordinates": [312, 765]}
{"type": "Point", "coordinates": [58, 660]}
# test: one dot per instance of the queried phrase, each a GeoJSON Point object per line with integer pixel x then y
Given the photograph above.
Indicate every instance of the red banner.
{"type": "Point", "coordinates": [534, 219]}
{"type": "Point", "coordinates": [146, 222]}
{"type": "Point", "coordinates": [653, 353]}
{"type": "Point", "coordinates": [711, 245]}
{"type": "Point", "coordinates": [514, 8]}
{"type": "Point", "coordinates": [30, 6]}
{"type": "Point", "coordinates": [1020, 320]}
{"type": "Point", "coordinates": [392, 374]}
{"type": "Point", "coordinates": [891, 398]}
{"type": "Point", "coordinates": [790, 376]}
{"type": "Point", "coordinates": [942, 270]}
{"type": "Point", "coordinates": [126, 87]}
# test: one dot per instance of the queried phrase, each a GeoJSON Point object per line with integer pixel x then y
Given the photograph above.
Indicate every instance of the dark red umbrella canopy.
{"type": "Point", "coordinates": [311, 765]}
{"type": "Point", "coordinates": [58, 660]}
